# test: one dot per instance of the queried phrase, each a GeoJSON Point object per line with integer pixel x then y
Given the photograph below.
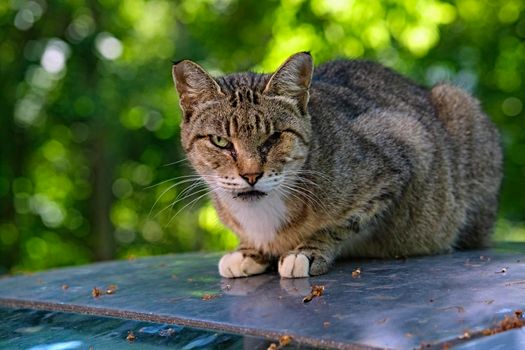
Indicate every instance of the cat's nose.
{"type": "Point", "coordinates": [251, 178]}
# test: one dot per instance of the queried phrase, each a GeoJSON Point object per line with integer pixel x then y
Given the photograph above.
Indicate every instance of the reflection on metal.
{"type": "Point", "coordinates": [48, 330]}
{"type": "Point", "coordinates": [391, 304]}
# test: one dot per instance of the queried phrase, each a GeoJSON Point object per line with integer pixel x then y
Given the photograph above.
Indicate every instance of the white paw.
{"type": "Point", "coordinates": [236, 265]}
{"type": "Point", "coordinates": [294, 266]}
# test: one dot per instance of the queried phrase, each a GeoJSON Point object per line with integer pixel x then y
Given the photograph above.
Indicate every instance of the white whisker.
{"type": "Point", "coordinates": [309, 195]}
{"type": "Point", "coordinates": [176, 162]}
{"type": "Point", "coordinates": [198, 179]}
{"type": "Point", "coordinates": [192, 202]}
{"type": "Point", "coordinates": [172, 204]}
{"type": "Point", "coordinates": [193, 176]}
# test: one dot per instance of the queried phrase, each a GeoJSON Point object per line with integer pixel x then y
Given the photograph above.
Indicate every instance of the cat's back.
{"type": "Point", "coordinates": [440, 138]}
{"type": "Point", "coordinates": [361, 85]}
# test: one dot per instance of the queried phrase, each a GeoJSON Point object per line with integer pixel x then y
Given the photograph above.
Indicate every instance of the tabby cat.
{"type": "Point", "coordinates": [348, 159]}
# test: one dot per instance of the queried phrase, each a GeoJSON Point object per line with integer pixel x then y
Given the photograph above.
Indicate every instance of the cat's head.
{"type": "Point", "coordinates": [246, 134]}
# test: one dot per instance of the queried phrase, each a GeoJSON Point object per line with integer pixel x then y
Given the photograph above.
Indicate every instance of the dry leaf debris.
{"type": "Point", "coordinates": [317, 291]}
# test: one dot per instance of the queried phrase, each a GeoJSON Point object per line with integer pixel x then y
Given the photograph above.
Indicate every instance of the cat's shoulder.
{"type": "Point", "coordinates": [337, 67]}
{"type": "Point", "coordinates": [365, 74]}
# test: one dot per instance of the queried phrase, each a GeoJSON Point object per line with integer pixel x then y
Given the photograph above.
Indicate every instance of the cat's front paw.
{"type": "Point", "coordinates": [303, 263]}
{"type": "Point", "coordinates": [294, 266]}
{"type": "Point", "coordinates": [238, 264]}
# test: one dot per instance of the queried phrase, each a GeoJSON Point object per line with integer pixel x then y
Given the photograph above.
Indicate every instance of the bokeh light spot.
{"type": "Point", "coordinates": [509, 12]}
{"type": "Point", "coordinates": [208, 219]}
{"type": "Point", "coordinates": [134, 118]}
{"type": "Point", "coordinates": [81, 27]}
{"type": "Point", "coordinates": [125, 236]}
{"type": "Point", "coordinates": [420, 39]}
{"type": "Point", "coordinates": [108, 46]}
{"type": "Point", "coordinates": [24, 19]}
{"type": "Point", "coordinates": [152, 232]}
{"type": "Point", "coordinates": [53, 151]}
{"type": "Point", "coordinates": [470, 10]}
{"type": "Point", "coordinates": [36, 248]}
{"type": "Point", "coordinates": [50, 212]}
{"type": "Point", "coordinates": [122, 188]}
{"type": "Point", "coordinates": [55, 55]}
{"type": "Point", "coordinates": [142, 175]}
{"type": "Point", "coordinates": [512, 106]}
{"type": "Point", "coordinates": [124, 217]}
{"type": "Point", "coordinates": [27, 110]}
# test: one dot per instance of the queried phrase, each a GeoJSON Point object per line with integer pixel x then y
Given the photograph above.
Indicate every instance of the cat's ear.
{"type": "Point", "coordinates": [194, 86]}
{"type": "Point", "coordinates": [293, 79]}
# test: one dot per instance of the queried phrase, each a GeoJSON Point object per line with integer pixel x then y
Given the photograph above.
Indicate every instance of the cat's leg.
{"type": "Point", "coordinates": [243, 262]}
{"type": "Point", "coordinates": [314, 256]}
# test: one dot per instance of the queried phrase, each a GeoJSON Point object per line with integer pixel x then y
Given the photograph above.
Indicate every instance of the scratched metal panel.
{"type": "Point", "coordinates": [392, 304]}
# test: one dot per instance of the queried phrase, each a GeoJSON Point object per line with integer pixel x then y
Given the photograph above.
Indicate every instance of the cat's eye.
{"type": "Point", "coordinates": [220, 142]}
{"type": "Point", "coordinates": [272, 140]}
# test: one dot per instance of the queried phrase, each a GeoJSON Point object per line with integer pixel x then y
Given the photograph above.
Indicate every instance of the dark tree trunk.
{"type": "Point", "coordinates": [101, 199]}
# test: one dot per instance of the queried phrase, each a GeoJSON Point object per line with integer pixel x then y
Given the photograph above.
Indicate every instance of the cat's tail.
{"type": "Point", "coordinates": [476, 148]}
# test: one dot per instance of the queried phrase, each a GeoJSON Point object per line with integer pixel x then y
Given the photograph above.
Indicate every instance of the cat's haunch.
{"type": "Point", "coordinates": [348, 159]}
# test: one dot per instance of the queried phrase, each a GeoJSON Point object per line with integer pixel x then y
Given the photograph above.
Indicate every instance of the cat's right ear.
{"type": "Point", "coordinates": [194, 86]}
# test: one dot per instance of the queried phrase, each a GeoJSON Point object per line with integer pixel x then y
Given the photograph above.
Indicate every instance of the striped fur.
{"type": "Point", "coordinates": [351, 159]}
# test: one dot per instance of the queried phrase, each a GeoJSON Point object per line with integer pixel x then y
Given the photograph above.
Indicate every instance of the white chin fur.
{"type": "Point", "coordinates": [261, 218]}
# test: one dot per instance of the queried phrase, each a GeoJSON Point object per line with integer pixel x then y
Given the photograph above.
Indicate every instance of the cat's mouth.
{"type": "Point", "coordinates": [249, 195]}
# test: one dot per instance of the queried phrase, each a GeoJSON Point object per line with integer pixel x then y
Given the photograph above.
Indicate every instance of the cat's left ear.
{"type": "Point", "coordinates": [293, 79]}
{"type": "Point", "coordinates": [194, 86]}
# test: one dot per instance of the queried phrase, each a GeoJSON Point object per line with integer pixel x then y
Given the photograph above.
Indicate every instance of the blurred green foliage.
{"type": "Point", "coordinates": [89, 116]}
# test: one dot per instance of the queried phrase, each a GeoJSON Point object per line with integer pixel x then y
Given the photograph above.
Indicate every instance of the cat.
{"type": "Point", "coordinates": [349, 159]}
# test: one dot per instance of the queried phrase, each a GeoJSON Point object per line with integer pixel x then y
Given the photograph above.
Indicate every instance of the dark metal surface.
{"type": "Point", "coordinates": [49, 330]}
{"type": "Point", "coordinates": [392, 304]}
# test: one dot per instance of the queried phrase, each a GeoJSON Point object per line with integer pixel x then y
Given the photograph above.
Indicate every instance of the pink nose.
{"type": "Point", "coordinates": [251, 178]}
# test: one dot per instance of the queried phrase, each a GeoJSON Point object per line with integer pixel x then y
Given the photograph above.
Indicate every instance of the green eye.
{"type": "Point", "coordinates": [220, 142]}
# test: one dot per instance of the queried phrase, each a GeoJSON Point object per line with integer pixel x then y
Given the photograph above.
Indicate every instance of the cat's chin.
{"type": "Point", "coordinates": [249, 196]}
